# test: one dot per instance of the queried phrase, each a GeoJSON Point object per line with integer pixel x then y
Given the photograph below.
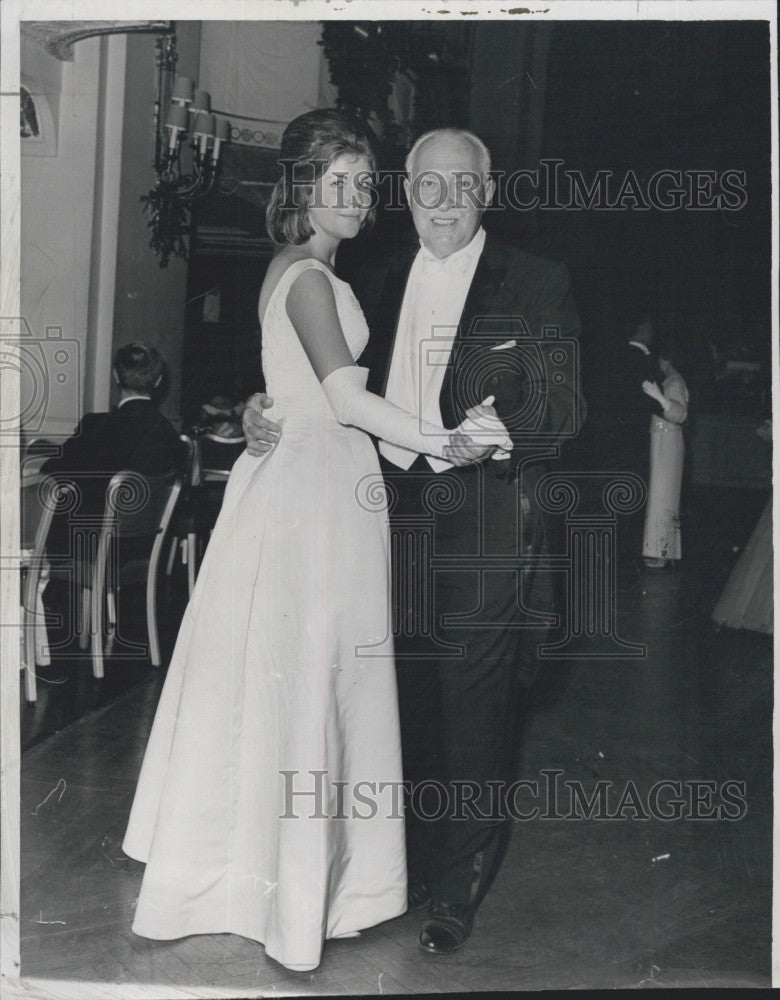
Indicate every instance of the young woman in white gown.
{"type": "Point", "coordinates": [747, 600]}
{"type": "Point", "coordinates": [280, 698]}
{"type": "Point", "coordinates": [662, 541]}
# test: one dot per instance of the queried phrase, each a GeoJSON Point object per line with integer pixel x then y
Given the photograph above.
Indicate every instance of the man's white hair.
{"type": "Point", "coordinates": [452, 133]}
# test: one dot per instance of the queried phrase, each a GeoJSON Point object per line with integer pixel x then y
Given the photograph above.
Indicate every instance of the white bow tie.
{"type": "Point", "coordinates": [454, 264]}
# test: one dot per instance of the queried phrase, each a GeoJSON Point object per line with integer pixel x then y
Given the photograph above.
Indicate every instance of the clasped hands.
{"type": "Point", "coordinates": [481, 434]}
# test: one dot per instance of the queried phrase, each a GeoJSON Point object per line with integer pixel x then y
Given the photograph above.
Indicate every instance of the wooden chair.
{"type": "Point", "coordinates": [212, 459]}
{"type": "Point", "coordinates": [34, 453]}
{"type": "Point", "coordinates": [40, 446]}
{"type": "Point", "coordinates": [138, 511]}
{"type": "Point", "coordinates": [183, 529]}
{"type": "Point", "coordinates": [216, 456]}
{"type": "Point", "coordinates": [42, 498]}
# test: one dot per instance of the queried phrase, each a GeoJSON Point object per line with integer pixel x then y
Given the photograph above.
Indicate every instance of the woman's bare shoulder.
{"type": "Point", "coordinates": [277, 268]}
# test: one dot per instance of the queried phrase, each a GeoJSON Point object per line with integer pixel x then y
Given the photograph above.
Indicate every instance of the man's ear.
{"type": "Point", "coordinates": [159, 379]}
{"type": "Point", "coordinates": [114, 375]}
{"type": "Point", "coordinates": [408, 191]}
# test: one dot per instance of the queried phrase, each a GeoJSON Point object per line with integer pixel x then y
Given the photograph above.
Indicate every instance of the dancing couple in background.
{"type": "Point", "coordinates": [284, 667]}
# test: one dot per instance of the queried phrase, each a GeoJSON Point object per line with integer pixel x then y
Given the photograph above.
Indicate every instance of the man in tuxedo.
{"type": "Point", "coordinates": [461, 317]}
{"type": "Point", "coordinates": [638, 364]}
{"type": "Point", "coordinates": [134, 436]}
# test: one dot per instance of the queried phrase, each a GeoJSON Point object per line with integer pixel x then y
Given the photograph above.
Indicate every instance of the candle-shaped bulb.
{"type": "Point", "coordinates": [222, 134]}
{"type": "Point", "coordinates": [176, 123]}
{"type": "Point", "coordinates": [204, 126]}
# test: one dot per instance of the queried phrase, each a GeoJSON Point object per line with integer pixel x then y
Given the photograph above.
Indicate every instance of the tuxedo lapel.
{"type": "Point", "coordinates": [386, 319]}
{"type": "Point", "coordinates": [487, 297]}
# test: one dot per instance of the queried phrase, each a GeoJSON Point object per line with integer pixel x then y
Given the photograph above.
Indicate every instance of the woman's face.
{"type": "Point", "coordinates": [341, 197]}
{"type": "Point", "coordinates": [665, 365]}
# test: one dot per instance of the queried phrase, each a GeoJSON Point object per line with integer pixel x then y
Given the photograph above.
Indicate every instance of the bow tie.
{"type": "Point", "coordinates": [457, 263]}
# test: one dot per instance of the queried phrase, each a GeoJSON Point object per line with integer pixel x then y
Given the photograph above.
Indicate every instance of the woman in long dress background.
{"type": "Point", "coordinates": [747, 600]}
{"type": "Point", "coordinates": [259, 808]}
{"type": "Point", "coordinates": [662, 542]}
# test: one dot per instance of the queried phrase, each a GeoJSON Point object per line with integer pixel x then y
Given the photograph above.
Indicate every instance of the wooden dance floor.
{"type": "Point", "coordinates": [598, 902]}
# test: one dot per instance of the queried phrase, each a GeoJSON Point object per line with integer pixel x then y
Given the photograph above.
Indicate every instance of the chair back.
{"type": "Point", "coordinates": [42, 498]}
{"type": "Point", "coordinates": [34, 453]}
{"type": "Point", "coordinates": [139, 508]}
{"type": "Point", "coordinates": [33, 505]}
{"type": "Point", "coordinates": [217, 455]}
{"type": "Point", "coordinates": [190, 468]}
{"type": "Point", "coordinates": [40, 446]}
{"type": "Point", "coordinates": [139, 505]}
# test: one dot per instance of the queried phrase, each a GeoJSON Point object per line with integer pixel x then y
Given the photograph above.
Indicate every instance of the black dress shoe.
{"type": "Point", "coordinates": [418, 893]}
{"type": "Point", "coordinates": [447, 928]}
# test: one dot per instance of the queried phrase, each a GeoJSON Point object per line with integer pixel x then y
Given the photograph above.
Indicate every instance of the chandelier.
{"type": "Point", "coordinates": [188, 143]}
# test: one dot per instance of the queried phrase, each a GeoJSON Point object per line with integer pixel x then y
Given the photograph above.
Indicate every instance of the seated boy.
{"type": "Point", "coordinates": [133, 436]}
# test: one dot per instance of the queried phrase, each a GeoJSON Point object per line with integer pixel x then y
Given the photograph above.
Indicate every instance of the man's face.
{"type": "Point", "coordinates": [446, 194]}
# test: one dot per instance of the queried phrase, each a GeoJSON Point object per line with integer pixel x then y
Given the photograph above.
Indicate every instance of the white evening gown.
{"type": "Point", "coordinates": [667, 452]}
{"type": "Point", "coordinates": [747, 600]}
{"type": "Point", "coordinates": [283, 667]}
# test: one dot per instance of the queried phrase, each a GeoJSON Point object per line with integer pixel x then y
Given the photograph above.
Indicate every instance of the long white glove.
{"type": "Point", "coordinates": [352, 404]}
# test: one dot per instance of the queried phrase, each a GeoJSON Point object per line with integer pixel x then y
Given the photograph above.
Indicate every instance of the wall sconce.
{"type": "Point", "coordinates": [188, 144]}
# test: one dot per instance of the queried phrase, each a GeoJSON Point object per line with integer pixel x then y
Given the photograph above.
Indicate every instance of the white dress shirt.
{"type": "Point", "coordinates": [127, 399]}
{"type": "Point", "coordinates": [433, 302]}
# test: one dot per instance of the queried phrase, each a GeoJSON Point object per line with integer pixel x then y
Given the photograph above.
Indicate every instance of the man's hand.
{"type": "Point", "coordinates": [463, 451]}
{"type": "Point", "coordinates": [261, 433]}
{"type": "Point", "coordinates": [652, 390]}
{"type": "Point", "coordinates": [481, 434]}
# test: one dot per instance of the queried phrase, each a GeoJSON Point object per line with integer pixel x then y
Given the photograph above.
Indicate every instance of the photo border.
{"type": "Point", "coordinates": [11, 13]}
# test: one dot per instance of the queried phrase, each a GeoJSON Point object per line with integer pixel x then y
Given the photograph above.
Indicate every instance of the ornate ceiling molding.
{"type": "Point", "coordinates": [58, 37]}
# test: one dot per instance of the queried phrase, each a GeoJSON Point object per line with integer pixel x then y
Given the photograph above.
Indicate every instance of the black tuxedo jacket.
{"type": "Point", "coordinates": [134, 436]}
{"type": "Point", "coordinates": [637, 367]}
{"type": "Point", "coordinates": [513, 296]}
